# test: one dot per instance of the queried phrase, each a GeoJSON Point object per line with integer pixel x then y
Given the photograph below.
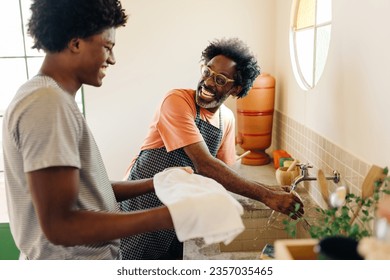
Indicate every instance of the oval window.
{"type": "Point", "coordinates": [309, 39]}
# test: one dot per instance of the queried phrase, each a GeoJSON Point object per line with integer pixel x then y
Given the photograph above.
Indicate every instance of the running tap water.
{"type": "Point", "coordinates": [303, 176]}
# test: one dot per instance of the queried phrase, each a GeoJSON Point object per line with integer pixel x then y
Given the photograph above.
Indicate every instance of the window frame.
{"type": "Point", "coordinates": [26, 56]}
{"type": "Point", "coordinates": [294, 48]}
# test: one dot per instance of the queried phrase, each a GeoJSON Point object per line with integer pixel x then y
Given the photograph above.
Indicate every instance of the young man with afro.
{"type": "Point", "coordinates": [60, 200]}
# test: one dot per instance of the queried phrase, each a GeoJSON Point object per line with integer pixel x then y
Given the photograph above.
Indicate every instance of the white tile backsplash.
{"type": "Point", "coordinates": [309, 147]}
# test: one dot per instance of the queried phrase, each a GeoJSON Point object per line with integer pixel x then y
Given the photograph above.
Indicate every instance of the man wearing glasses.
{"type": "Point", "coordinates": [194, 128]}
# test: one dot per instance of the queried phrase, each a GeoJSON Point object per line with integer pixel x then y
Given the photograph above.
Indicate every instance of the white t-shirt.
{"type": "Point", "coordinates": [44, 127]}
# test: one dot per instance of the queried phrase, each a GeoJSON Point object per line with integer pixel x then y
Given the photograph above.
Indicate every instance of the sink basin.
{"type": "Point", "coordinates": [251, 242]}
{"type": "Point", "coordinates": [258, 233]}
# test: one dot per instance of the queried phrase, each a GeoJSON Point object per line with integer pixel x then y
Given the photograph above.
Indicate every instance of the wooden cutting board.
{"type": "Point", "coordinates": [374, 174]}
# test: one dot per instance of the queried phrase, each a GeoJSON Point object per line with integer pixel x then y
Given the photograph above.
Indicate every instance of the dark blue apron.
{"type": "Point", "coordinates": [162, 244]}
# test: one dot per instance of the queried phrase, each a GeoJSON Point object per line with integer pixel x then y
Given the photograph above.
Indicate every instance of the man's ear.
{"type": "Point", "coordinates": [74, 45]}
{"type": "Point", "coordinates": [236, 91]}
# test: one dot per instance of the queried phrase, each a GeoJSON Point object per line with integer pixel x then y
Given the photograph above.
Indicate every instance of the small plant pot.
{"type": "Point", "coordinates": [338, 248]}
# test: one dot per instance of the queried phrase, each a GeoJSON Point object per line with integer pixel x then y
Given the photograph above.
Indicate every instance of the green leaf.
{"type": "Point", "coordinates": [378, 183]}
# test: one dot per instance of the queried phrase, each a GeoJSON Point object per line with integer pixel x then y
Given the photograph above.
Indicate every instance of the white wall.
{"type": "Point", "coordinates": [158, 50]}
{"type": "Point", "coordinates": [350, 105]}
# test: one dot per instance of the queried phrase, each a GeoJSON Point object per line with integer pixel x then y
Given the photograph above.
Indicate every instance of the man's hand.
{"type": "Point", "coordinates": [288, 203]}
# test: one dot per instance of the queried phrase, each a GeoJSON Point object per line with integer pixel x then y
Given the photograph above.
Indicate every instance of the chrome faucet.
{"type": "Point", "coordinates": [304, 175]}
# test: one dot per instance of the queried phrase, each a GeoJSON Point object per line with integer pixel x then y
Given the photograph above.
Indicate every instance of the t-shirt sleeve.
{"type": "Point", "coordinates": [47, 132]}
{"type": "Point", "coordinates": [176, 122]}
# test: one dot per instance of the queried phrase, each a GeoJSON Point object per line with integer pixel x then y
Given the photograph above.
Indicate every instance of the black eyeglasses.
{"type": "Point", "coordinates": [219, 79]}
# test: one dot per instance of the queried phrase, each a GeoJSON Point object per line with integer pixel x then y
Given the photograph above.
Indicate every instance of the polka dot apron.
{"type": "Point", "coordinates": [162, 244]}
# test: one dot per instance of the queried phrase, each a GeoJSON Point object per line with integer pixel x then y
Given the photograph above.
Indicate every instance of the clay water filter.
{"type": "Point", "coordinates": [254, 120]}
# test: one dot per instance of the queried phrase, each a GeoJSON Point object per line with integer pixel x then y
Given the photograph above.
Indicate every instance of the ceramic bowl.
{"type": "Point", "coordinates": [284, 177]}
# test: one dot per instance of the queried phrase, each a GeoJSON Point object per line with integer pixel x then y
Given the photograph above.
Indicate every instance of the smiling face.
{"type": "Point", "coordinates": [209, 94]}
{"type": "Point", "coordinates": [98, 54]}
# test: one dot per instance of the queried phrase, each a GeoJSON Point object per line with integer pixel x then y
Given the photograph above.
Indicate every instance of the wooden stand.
{"type": "Point", "coordinates": [295, 249]}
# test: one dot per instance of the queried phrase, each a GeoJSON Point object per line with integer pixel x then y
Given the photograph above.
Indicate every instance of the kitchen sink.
{"type": "Point", "coordinates": [258, 233]}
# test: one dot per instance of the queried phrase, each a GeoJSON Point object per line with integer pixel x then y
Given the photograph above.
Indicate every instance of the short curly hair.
{"type": "Point", "coordinates": [246, 64]}
{"type": "Point", "coordinates": [54, 23]}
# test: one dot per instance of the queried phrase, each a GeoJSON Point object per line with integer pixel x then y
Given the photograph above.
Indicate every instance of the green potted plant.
{"type": "Point", "coordinates": [341, 221]}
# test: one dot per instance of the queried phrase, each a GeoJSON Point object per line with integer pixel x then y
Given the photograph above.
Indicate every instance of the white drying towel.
{"type": "Point", "coordinates": [200, 207]}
